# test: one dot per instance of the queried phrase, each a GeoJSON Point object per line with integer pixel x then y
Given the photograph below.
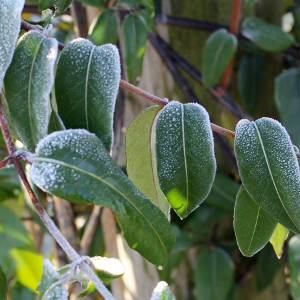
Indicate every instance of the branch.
{"type": "Point", "coordinates": [65, 245]}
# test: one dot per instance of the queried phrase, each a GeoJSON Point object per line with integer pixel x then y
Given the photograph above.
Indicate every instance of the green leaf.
{"type": "Point", "coordinates": [104, 29]}
{"type": "Point", "coordinates": [251, 80]}
{"type": "Point", "coordinates": [46, 17]}
{"type": "Point", "coordinates": [269, 169]}
{"type": "Point", "coordinates": [49, 277]}
{"type": "Point", "coordinates": [141, 157]}
{"type": "Point", "coordinates": [162, 292]}
{"type": "Point", "coordinates": [223, 193]}
{"type": "Point", "coordinates": [296, 26]}
{"type": "Point", "coordinates": [266, 36]}
{"type": "Point", "coordinates": [3, 285]}
{"type": "Point", "coordinates": [20, 292]}
{"type": "Point", "coordinates": [251, 2]}
{"type": "Point", "coordinates": [61, 6]}
{"type": "Point", "coordinates": [44, 4]}
{"type": "Point", "coordinates": [90, 77]}
{"type": "Point", "coordinates": [27, 89]}
{"type": "Point", "coordinates": [28, 267]}
{"type": "Point", "coordinates": [97, 3]}
{"type": "Point", "coordinates": [294, 262]}
{"type": "Point", "coordinates": [287, 98]}
{"type": "Point", "coordinates": [55, 123]}
{"type": "Point", "coordinates": [147, 3]}
{"type": "Point", "coordinates": [186, 162]}
{"type": "Point", "coordinates": [75, 166]}
{"type": "Point", "coordinates": [214, 275]}
{"type": "Point", "coordinates": [252, 226]}
{"type": "Point", "coordinates": [10, 15]}
{"type": "Point", "coordinates": [266, 268]}
{"type": "Point", "coordinates": [278, 238]}
{"type": "Point", "coordinates": [89, 289]}
{"type": "Point", "coordinates": [218, 51]}
{"type": "Point", "coordinates": [135, 32]}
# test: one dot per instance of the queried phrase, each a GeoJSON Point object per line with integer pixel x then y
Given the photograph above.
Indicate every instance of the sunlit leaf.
{"type": "Point", "coordinates": [86, 86]}
{"type": "Point", "coordinates": [141, 157]}
{"type": "Point", "coordinates": [61, 6]}
{"type": "Point", "coordinates": [27, 89]}
{"type": "Point", "coordinates": [3, 285]}
{"type": "Point", "coordinates": [278, 238]}
{"type": "Point", "coordinates": [219, 50]}
{"type": "Point", "coordinates": [214, 275]}
{"type": "Point", "coordinates": [186, 163]}
{"type": "Point", "coordinates": [266, 36]}
{"type": "Point", "coordinates": [252, 226]}
{"type": "Point", "coordinates": [74, 165]}
{"type": "Point", "coordinates": [269, 169]}
{"type": "Point", "coordinates": [10, 20]}
{"type": "Point", "coordinates": [162, 292]}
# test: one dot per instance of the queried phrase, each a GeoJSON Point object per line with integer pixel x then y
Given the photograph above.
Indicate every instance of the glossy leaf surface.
{"type": "Point", "coordinates": [266, 36]}
{"type": "Point", "coordinates": [214, 275]}
{"type": "Point", "coordinates": [27, 89]}
{"type": "Point", "coordinates": [10, 20]}
{"type": "Point", "coordinates": [86, 86]}
{"type": "Point", "coordinates": [269, 169]}
{"type": "Point", "coordinates": [141, 157]}
{"type": "Point", "coordinates": [219, 50]}
{"type": "Point", "coordinates": [287, 98]}
{"type": "Point", "coordinates": [186, 163]}
{"type": "Point", "coordinates": [252, 226]}
{"type": "Point", "coordinates": [75, 166]}
{"type": "Point", "coordinates": [278, 238]}
{"type": "Point", "coordinates": [162, 292]}
{"type": "Point", "coordinates": [135, 34]}
{"type": "Point", "coordinates": [251, 80]}
{"type": "Point", "coordinates": [104, 29]}
{"type": "Point", "coordinates": [61, 6]}
{"type": "Point", "coordinates": [294, 262]}
{"type": "Point", "coordinates": [44, 4]}
{"type": "Point", "coordinates": [3, 285]}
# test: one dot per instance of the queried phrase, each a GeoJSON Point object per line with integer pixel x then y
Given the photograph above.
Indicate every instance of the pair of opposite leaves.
{"type": "Point", "coordinates": [270, 192]}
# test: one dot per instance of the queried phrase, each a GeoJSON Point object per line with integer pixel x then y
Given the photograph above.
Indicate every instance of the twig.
{"type": "Point", "coordinates": [6, 161]}
{"type": "Point", "coordinates": [234, 29]}
{"type": "Point", "coordinates": [43, 214]}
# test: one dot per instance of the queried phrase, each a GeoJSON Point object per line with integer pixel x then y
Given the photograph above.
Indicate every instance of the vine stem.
{"type": "Point", "coordinates": [234, 29]}
{"type": "Point", "coordinates": [61, 240]}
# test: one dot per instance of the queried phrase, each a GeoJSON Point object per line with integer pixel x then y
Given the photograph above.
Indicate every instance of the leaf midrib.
{"type": "Point", "coordinates": [54, 161]}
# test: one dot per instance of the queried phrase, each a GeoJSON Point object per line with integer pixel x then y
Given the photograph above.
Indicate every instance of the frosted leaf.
{"type": "Point", "coordinates": [269, 169]}
{"type": "Point", "coordinates": [186, 163]}
{"type": "Point", "coordinates": [75, 165]}
{"type": "Point", "coordinates": [10, 20]}
{"type": "Point", "coordinates": [28, 83]}
{"type": "Point", "coordinates": [86, 85]}
{"type": "Point", "coordinates": [162, 292]}
{"type": "Point", "coordinates": [46, 288]}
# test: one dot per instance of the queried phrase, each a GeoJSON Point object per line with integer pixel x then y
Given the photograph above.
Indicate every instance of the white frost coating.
{"type": "Point", "coordinates": [10, 20]}
{"type": "Point", "coordinates": [162, 292]}
{"type": "Point", "coordinates": [269, 168]}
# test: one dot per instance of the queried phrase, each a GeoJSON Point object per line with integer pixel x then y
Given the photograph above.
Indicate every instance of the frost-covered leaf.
{"type": "Point", "coordinates": [104, 28]}
{"type": "Point", "coordinates": [28, 267]}
{"type": "Point", "coordinates": [61, 6]}
{"type": "Point", "coordinates": [3, 285]}
{"type": "Point", "coordinates": [269, 169]}
{"type": "Point", "coordinates": [86, 86]}
{"type": "Point", "coordinates": [55, 123]}
{"type": "Point", "coordinates": [287, 98]}
{"type": "Point", "coordinates": [10, 20]}
{"type": "Point", "coordinates": [75, 166]}
{"type": "Point", "coordinates": [135, 33]}
{"type": "Point", "coordinates": [219, 50]}
{"type": "Point", "coordinates": [162, 292]}
{"type": "Point", "coordinates": [49, 277]}
{"type": "Point", "coordinates": [278, 238]}
{"type": "Point", "coordinates": [28, 83]}
{"type": "Point", "coordinates": [252, 226]}
{"type": "Point", "coordinates": [266, 36]}
{"type": "Point", "coordinates": [186, 162]}
{"type": "Point", "coordinates": [214, 275]}
{"type": "Point", "coordinates": [294, 262]}
{"type": "Point", "coordinates": [251, 80]}
{"type": "Point", "coordinates": [141, 157]}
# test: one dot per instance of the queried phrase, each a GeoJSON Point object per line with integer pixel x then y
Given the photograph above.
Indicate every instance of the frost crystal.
{"type": "Point", "coordinates": [162, 292]}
